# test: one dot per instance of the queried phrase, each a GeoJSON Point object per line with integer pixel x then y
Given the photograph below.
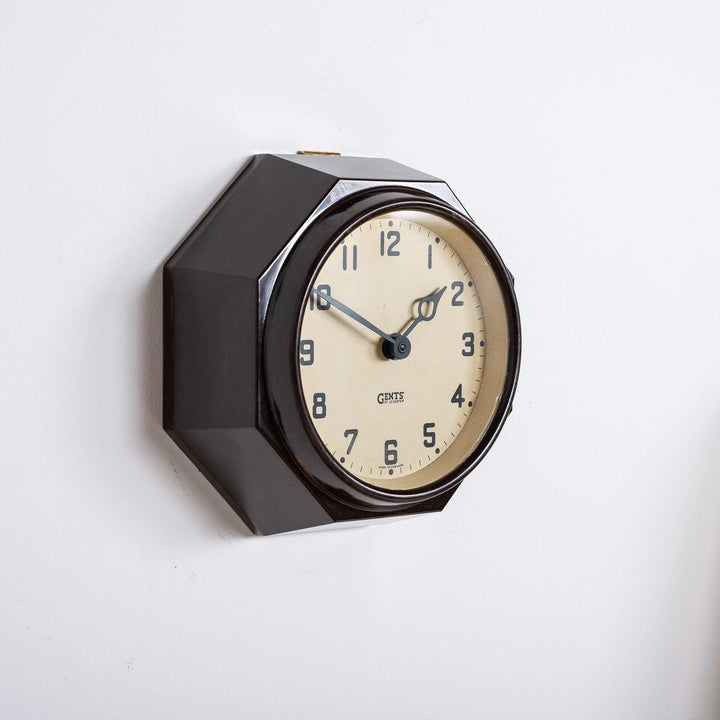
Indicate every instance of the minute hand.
{"type": "Point", "coordinates": [351, 313]}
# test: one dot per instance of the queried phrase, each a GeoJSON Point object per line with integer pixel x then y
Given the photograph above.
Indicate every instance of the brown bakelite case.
{"type": "Point", "coordinates": [233, 293]}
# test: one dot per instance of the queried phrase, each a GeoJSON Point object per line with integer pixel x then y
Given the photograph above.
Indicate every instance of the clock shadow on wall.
{"type": "Point", "coordinates": [299, 257]}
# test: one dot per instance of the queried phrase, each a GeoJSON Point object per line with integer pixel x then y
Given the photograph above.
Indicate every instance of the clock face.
{"type": "Point", "coordinates": [403, 349]}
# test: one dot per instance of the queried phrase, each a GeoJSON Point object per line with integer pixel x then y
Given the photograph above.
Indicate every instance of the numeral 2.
{"type": "Point", "coordinates": [458, 287]}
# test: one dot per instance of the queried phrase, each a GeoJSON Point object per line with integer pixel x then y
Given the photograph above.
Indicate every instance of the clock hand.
{"type": "Point", "coordinates": [434, 300]}
{"type": "Point", "coordinates": [351, 313]}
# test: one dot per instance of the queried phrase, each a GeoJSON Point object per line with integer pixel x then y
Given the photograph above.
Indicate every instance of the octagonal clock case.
{"type": "Point", "coordinates": [341, 342]}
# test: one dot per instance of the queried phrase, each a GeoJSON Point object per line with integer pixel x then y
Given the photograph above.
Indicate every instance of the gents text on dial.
{"type": "Point", "coordinates": [391, 397]}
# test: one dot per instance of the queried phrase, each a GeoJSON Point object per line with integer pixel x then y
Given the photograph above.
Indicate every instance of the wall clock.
{"type": "Point", "coordinates": [341, 342]}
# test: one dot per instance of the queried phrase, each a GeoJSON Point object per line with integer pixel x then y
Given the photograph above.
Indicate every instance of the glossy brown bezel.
{"type": "Point", "coordinates": [283, 319]}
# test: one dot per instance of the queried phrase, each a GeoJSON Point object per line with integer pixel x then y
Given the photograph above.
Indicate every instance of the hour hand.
{"type": "Point", "coordinates": [352, 314]}
{"type": "Point", "coordinates": [431, 300]}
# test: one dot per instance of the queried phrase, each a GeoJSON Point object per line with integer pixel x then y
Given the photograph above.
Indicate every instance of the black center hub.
{"type": "Point", "coordinates": [398, 349]}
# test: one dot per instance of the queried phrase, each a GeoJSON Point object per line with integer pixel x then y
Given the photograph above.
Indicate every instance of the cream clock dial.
{"type": "Point", "coordinates": [392, 349]}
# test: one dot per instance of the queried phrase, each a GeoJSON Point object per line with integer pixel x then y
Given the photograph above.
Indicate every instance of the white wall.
{"type": "Point", "coordinates": [576, 574]}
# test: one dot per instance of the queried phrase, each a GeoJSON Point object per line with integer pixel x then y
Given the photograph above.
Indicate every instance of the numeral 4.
{"type": "Point", "coordinates": [457, 397]}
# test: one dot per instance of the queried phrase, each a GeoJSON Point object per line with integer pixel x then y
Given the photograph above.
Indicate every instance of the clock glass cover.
{"type": "Point", "coordinates": [403, 349]}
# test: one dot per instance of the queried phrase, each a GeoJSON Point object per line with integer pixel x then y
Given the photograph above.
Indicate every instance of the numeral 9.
{"type": "Point", "coordinates": [307, 352]}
